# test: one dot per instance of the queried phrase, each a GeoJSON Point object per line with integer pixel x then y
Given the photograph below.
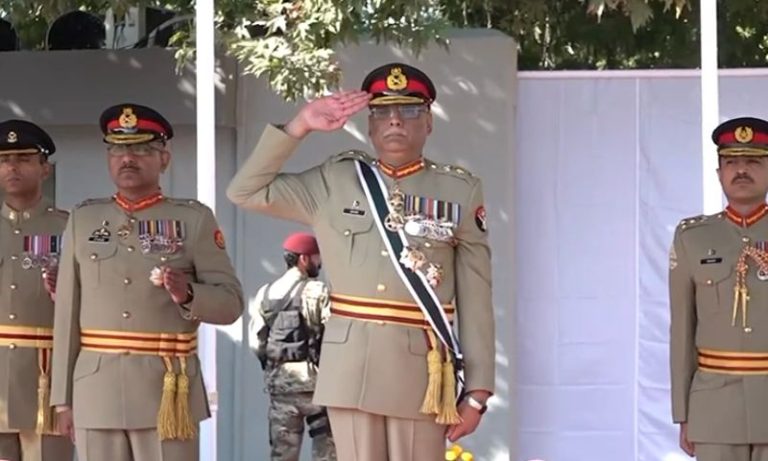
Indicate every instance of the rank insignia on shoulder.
{"type": "Point", "coordinates": [711, 261]}
{"type": "Point", "coordinates": [218, 238]}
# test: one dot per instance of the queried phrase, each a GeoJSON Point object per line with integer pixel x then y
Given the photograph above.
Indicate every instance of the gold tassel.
{"type": "Point", "coordinates": [431, 404]}
{"type": "Point", "coordinates": [166, 416]}
{"type": "Point", "coordinates": [448, 414]}
{"type": "Point", "coordinates": [45, 418]}
{"type": "Point", "coordinates": [186, 428]}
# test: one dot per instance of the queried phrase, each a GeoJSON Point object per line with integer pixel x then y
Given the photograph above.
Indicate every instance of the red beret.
{"type": "Point", "coordinates": [301, 243]}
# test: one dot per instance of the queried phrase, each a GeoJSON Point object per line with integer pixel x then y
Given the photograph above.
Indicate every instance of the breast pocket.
{"type": "Point", "coordinates": [714, 287]}
{"type": "Point", "coordinates": [353, 234]}
{"type": "Point", "coordinates": [96, 261]}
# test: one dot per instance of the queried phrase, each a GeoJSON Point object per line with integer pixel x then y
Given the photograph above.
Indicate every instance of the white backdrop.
{"type": "Point", "coordinates": [607, 164]}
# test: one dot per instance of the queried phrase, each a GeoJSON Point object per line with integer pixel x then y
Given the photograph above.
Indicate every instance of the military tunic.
{"type": "Point", "coordinates": [714, 345]}
{"type": "Point", "coordinates": [29, 241]}
{"type": "Point", "coordinates": [104, 292]}
{"type": "Point", "coordinates": [379, 367]}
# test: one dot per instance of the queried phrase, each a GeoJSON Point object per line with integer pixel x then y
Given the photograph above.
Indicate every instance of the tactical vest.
{"type": "Point", "coordinates": [289, 339]}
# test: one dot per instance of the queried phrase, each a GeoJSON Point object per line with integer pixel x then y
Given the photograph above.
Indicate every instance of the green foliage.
{"type": "Point", "coordinates": [292, 43]}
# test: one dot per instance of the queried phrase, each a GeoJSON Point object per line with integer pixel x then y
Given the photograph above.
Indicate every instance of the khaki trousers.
{"type": "Point", "coordinates": [712, 452]}
{"type": "Point", "coordinates": [361, 436]}
{"type": "Point", "coordinates": [30, 446]}
{"type": "Point", "coordinates": [132, 445]}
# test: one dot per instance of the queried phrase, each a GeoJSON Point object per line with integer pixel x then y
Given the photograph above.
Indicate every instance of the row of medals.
{"type": "Point", "coordinates": [417, 225]}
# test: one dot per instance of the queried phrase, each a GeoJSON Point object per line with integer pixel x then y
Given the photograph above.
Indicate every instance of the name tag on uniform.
{"type": "Point", "coordinates": [711, 261]}
{"type": "Point", "coordinates": [354, 210]}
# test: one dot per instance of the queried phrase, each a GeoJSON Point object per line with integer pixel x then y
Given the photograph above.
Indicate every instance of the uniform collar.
{"type": "Point", "coordinates": [17, 216]}
{"type": "Point", "coordinates": [745, 221]}
{"type": "Point", "coordinates": [399, 172]}
{"type": "Point", "coordinates": [141, 204]}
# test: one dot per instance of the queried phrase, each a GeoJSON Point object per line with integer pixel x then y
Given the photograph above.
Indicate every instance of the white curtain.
{"type": "Point", "coordinates": [605, 168]}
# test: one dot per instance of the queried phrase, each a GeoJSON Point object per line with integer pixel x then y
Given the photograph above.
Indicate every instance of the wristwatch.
{"type": "Point", "coordinates": [476, 405]}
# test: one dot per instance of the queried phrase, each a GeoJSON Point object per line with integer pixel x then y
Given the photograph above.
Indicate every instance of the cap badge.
{"type": "Point", "coordinates": [128, 118]}
{"type": "Point", "coordinates": [12, 137]}
{"type": "Point", "coordinates": [743, 134]}
{"type": "Point", "coordinates": [396, 80]}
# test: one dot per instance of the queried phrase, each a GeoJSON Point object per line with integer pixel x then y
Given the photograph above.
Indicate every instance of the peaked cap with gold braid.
{"type": "Point", "coordinates": [134, 124]}
{"type": "Point", "coordinates": [398, 83]}
{"type": "Point", "coordinates": [744, 136]}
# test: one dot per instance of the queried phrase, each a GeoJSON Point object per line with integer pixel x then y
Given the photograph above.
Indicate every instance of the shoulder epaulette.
{"type": "Point", "coordinates": [451, 170]}
{"type": "Point", "coordinates": [93, 201]}
{"type": "Point", "coordinates": [352, 154]}
{"type": "Point", "coordinates": [696, 221]}
{"type": "Point", "coordinates": [187, 202]}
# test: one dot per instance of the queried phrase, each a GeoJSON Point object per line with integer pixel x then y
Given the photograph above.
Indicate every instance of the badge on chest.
{"type": "Point", "coordinates": [41, 251]}
{"type": "Point", "coordinates": [161, 236]}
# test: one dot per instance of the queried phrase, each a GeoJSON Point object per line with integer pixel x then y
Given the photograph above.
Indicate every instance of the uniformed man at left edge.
{"type": "Point", "coordinates": [139, 272]}
{"type": "Point", "coordinates": [30, 237]}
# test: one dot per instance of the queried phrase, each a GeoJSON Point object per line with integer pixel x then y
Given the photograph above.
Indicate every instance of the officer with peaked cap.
{"type": "Point", "coordinates": [718, 283]}
{"type": "Point", "coordinates": [139, 272]}
{"type": "Point", "coordinates": [30, 229]}
{"type": "Point", "coordinates": [286, 327]}
{"type": "Point", "coordinates": [404, 243]}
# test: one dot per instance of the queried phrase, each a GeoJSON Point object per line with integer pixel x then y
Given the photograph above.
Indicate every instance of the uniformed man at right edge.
{"type": "Point", "coordinates": [718, 280]}
{"type": "Point", "coordinates": [405, 245]}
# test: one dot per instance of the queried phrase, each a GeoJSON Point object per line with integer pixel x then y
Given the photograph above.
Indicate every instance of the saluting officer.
{"type": "Point", "coordinates": [405, 245]}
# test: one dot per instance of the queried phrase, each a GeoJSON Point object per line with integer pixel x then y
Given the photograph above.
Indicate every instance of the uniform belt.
{"type": "Point", "coordinates": [33, 337]}
{"type": "Point", "coordinates": [733, 362]}
{"type": "Point", "coordinates": [383, 311]}
{"type": "Point", "coordinates": [174, 421]}
{"type": "Point", "coordinates": [40, 338]}
{"type": "Point", "coordinates": [122, 342]}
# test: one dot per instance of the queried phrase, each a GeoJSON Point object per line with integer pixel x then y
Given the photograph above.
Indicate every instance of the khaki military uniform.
{"type": "Point", "coordinates": [291, 385]}
{"type": "Point", "coordinates": [124, 353]}
{"type": "Point", "coordinates": [373, 368]}
{"type": "Point", "coordinates": [719, 350]}
{"type": "Point", "coordinates": [29, 241]}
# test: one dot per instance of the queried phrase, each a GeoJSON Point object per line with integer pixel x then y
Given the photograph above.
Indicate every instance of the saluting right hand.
{"type": "Point", "coordinates": [328, 113]}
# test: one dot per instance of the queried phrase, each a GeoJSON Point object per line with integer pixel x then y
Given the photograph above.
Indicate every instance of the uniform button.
{"type": "Point", "coordinates": [709, 282]}
{"type": "Point", "coordinates": [384, 253]}
{"type": "Point", "coordinates": [49, 209]}
{"type": "Point", "coordinates": [14, 257]}
{"type": "Point", "coordinates": [12, 215]}
{"type": "Point", "coordinates": [132, 220]}
{"type": "Point", "coordinates": [126, 315]}
{"type": "Point", "coordinates": [26, 215]}
{"type": "Point", "coordinates": [130, 249]}
{"type": "Point", "coordinates": [745, 239]}
{"type": "Point", "coordinates": [381, 287]}
{"type": "Point", "coordinates": [12, 316]}
{"type": "Point", "coordinates": [127, 281]}
{"type": "Point", "coordinates": [93, 256]}
{"type": "Point", "coordinates": [747, 330]}
{"type": "Point", "coordinates": [12, 346]}
{"type": "Point", "coordinates": [427, 245]}
{"type": "Point", "coordinates": [163, 258]}
{"type": "Point", "coordinates": [13, 286]}
{"type": "Point", "coordinates": [347, 232]}
{"type": "Point", "coordinates": [17, 231]}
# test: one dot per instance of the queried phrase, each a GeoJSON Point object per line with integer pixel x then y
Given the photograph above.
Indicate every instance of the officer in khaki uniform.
{"type": "Point", "coordinates": [387, 383]}
{"type": "Point", "coordinates": [718, 281]}
{"type": "Point", "coordinates": [30, 236]}
{"type": "Point", "coordinates": [138, 274]}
